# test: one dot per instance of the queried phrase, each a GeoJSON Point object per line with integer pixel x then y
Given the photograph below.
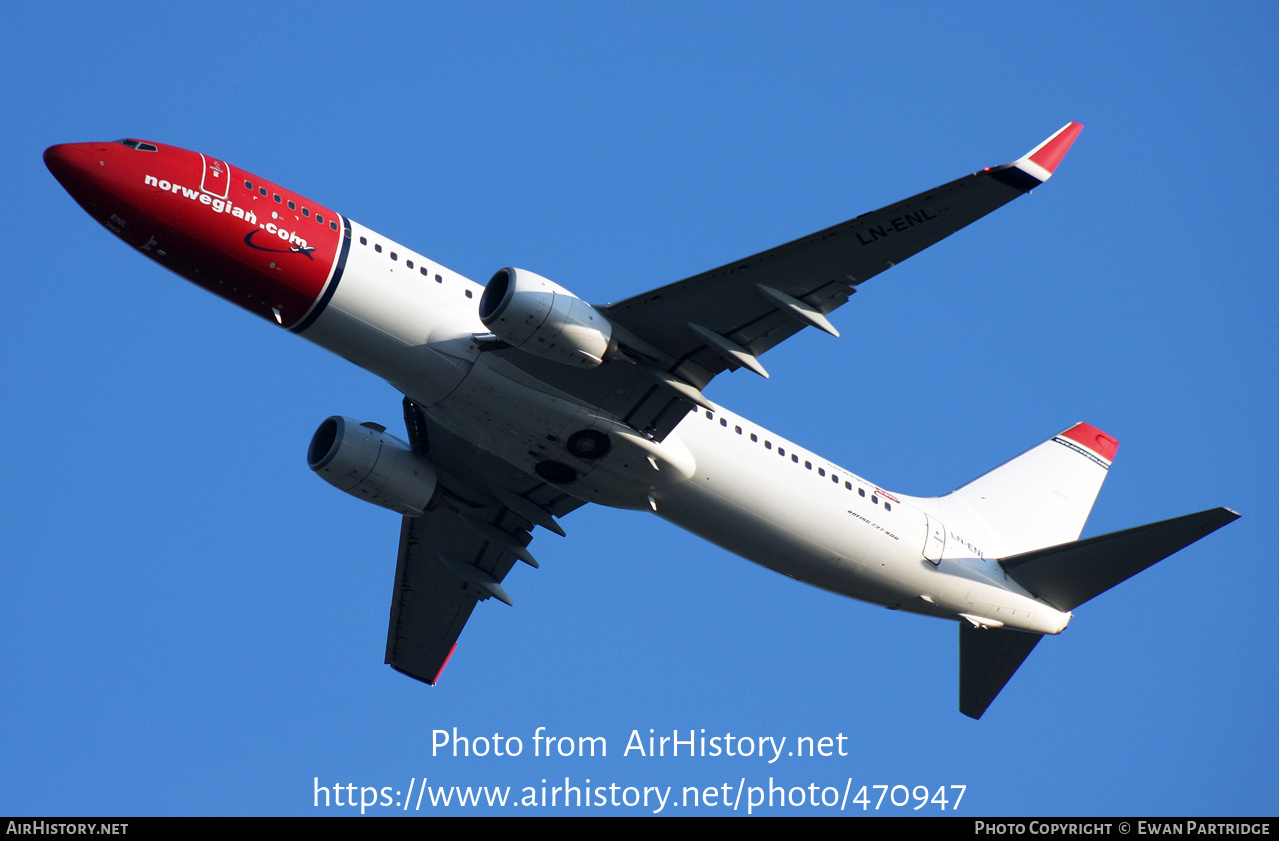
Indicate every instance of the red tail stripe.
{"type": "Point", "coordinates": [1094, 439]}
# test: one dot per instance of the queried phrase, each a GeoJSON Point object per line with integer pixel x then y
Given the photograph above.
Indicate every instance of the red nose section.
{"type": "Point", "coordinates": [262, 247]}
{"type": "Point", "coordinates": [72, 164]}
{"type": "Point", "coordinates": [85, 171]}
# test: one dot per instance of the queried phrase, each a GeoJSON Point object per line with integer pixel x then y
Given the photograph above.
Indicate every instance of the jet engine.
{"type": "Point", "coordinates": [543, 318]}
{"type": "Point", "coordinates": [362, 460]}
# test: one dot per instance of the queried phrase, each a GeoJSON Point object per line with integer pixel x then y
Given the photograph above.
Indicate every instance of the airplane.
{"type": "Point", "coordinates": [522, 402]}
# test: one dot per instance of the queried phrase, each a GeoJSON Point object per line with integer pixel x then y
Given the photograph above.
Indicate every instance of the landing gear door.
{"type": "Point", "coordinates": [934, 540]}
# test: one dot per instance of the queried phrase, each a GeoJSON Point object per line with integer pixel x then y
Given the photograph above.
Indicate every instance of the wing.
{"type": "Point", "coordinates": [680, 336]}
{"type": "Point", "coordinates": [458, 553]}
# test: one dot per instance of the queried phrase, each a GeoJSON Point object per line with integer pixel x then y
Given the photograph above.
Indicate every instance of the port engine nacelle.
{"type": "Point", "coordinates": [362, 460]}
{"type": "Point", "coordinates": [543, 318]}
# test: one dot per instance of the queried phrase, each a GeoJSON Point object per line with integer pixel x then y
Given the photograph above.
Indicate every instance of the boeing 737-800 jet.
{"type": "Point", "coordinates": [523, 402]}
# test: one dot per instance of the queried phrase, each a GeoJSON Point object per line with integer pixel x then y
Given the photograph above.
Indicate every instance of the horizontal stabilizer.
{"type": "Point", "coordinates": [988, 658]}
{"type": "Point", "coordinates": [1068, 575]}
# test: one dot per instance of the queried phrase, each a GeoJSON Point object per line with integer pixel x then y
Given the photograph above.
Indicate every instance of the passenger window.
{"type": "Point", "coordinates": [794, 458]}
{"type": "Point", "coordinates": [293, 205]}
{"type": "Point", "coordinates": [723, 422]}
{"type": "Point", "coordinates": [394, 256]}
{"type": "Point", "coordinates": [364, 240]}
{"type": "Point", "coordinates": [468, 293]}
{"type": "Point", "coordinates": [378, 247]}
{"type": "Point", "coordinates": [423, 271]}
{"type": "Point", "coordinates": [276, 198]}
{"type": "Point", "coordinates": [262, 190]}
{"type": "Point", "coordinates": [439, 279]}
{"type": "Point", "coordinates": [739, 430]}
{"type": "Point", "coordinates": [408, 263]}
{"type": "Point", "coordinates": [248, 185]}
{"type": "Point", "coordinates": [861, 491]}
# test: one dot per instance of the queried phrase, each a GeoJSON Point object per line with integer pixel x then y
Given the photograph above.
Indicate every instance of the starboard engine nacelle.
{"type": "Point", "coordinates": [543, 318]}
{"type": "Point", "coordinates": [362, 460]}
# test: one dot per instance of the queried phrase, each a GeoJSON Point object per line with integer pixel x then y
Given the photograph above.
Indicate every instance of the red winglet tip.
{"type": "Point", "coordinates": [445, 663]}
{"type": "Point", "coordinates": [1094, 439]}
{"type": "Point", "coordinates": [1052, 150]}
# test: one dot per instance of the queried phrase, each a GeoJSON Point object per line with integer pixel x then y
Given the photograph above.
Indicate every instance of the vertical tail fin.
{"type": "Point", "coordinates": [1040, 498]}
{"type": "Point", "coordinates": [1065, 577]}
{"type": "Point", "coordinates": [1031, 510]}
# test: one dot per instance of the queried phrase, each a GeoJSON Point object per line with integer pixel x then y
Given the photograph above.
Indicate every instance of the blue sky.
{"type": "Point", "coordinates": [195, 625]}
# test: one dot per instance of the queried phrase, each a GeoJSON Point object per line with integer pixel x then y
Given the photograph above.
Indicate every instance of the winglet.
{"type": "Point", "coordinates": [1048, 154]}
{"type": "Point", "coordinates": [1038, 165]}
{"type": "Point", "coordinates": [435, 679]}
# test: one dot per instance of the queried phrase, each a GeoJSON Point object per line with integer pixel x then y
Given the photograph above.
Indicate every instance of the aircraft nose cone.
{"type": "Point", "coordinates": [70, 163]}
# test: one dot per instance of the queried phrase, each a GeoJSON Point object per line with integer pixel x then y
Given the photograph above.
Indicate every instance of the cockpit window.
{"type": "Point", "coordinates": [139, 145]}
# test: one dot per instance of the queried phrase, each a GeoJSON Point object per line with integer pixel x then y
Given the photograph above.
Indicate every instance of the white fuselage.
{"type": "Point", "coordinates": [413, 322]}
